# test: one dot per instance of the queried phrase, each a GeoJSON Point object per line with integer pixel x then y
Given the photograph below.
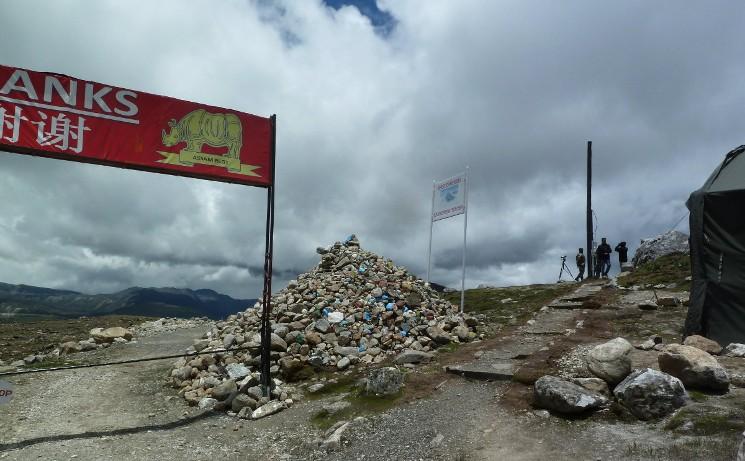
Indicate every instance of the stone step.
{"type": "Point", "coordinates": [483, 371]}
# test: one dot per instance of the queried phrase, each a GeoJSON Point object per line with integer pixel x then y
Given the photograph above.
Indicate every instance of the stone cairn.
{"type": "Point", "coordinates": [354, 309]}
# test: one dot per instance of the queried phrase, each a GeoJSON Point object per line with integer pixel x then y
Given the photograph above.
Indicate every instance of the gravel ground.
{"type": "Point", "coordinates": [126, 412]}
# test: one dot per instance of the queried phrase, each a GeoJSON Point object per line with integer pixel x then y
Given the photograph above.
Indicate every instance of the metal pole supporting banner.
{"type": "Point", "coordinates": [589, 253]}
{"type": "Point", "coordinates": [266, 332]}
{"type": "Point", "coordinates": [431, 223]}
{"type": "Point", "coordinates": [465, 228]}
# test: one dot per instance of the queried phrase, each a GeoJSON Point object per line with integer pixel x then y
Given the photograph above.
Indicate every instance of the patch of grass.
{"type": "Point", "coordinates": [341, 385]}
{"type": "Point", "coordinates": [525, 301]}
{"type": "Point", "coordinates": [708, 420]}
{"type": "Point", "coordinates": [361, 405]}
{"type": "Point", "coordinates": [697, 396]}
{"type": "Point", "coordinates": [672, 268]}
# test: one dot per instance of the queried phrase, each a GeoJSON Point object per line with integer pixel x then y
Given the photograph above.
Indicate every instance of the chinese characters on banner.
{"type": "Point", "coordinates": [62, 117]}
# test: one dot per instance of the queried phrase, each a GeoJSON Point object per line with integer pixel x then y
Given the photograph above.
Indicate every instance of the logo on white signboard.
{"type": "Point", "coordinates": [6, 392]}
{"type": "Point", "coordinates": [450, 197]}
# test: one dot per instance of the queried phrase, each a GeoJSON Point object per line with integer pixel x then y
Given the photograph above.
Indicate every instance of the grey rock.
{"type": "Point", "coordinates": [289, 367]}
{"type": "Point", "coordinates": [610, 361]}
{"type": "Point", "coordinates": [597, 385]}
{"type": "Point", "coordinates": [315, 388]}
{"type": "Point", "coordinates": [275, 406]}
{"type": "Point", "coordinates": [242, 401]}
{"type": "Point", "coordinates": [695, 368]}
{"type": "Point", "coordinates": [278, 344]}
{"type": "Point", "coordinates": [182, 373]}
{"type": "Point", "coordinates": [255, 392]}
{"type": "Point", "coordinates": [384, 381]}
{"type": "Point", "coordinates": [412, 356]}
{"type": "Point", "coordinates": [228, 341]}
{"type": "Point", "coordinates": [237, 370]}
{"type": "Point", "coordinates": [207, 403]}
{"type": "Point", "coordinates": [461, 332]}
{"type": "Point", "coordinates": [705, 344]}
{"type": "Point", "coordinates": [322, 326]}
{"type": "Point", "coordinates": [661, 245]}
{"type": "Point", "coordinates": [346, 351]}
{"type": "Point", "coordinates": [650, 394]}
{"type": "Point", "coordinates": [563, 396]}
{"type": "Point", "coordinates": [438, 335]}
{"type": "Point", "coordinates": [344, 363]}
{"type": "Point", "coordinates": [70, 347]}
{"type": "Point", "coordinates": [734, 350]}
{"type": "Point", "coordinates": [335, 407]}
{"type": "Point", "coordinates": [223, 391]}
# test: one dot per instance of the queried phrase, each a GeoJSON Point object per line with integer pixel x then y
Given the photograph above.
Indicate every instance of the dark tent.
{"type": "Point", "coordinates": [717, 222]}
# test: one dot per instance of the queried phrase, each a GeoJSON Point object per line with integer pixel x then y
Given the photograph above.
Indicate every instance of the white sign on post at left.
{"type": "Point", "coordinates": [6, 392]}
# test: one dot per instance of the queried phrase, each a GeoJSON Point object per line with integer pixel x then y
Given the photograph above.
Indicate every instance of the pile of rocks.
{"type": "Point", "coordinates": [664, 244]}
{"type": "Point", "coordinates": [99, 337]}
{"type": "Point", "coordinates": [165, 325]}
{"type": "Point", "coordinates": [645, 393]}
{"type": "Point", "coordinates": [353, 309]}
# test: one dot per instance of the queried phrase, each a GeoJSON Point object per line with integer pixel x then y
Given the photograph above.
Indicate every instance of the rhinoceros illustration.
{"type": "Point", "coordinates": [200, 127]}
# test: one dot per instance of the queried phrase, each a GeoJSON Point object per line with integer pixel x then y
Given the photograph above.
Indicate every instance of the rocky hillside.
{"type": "Point", "coordinates": [24, 302]}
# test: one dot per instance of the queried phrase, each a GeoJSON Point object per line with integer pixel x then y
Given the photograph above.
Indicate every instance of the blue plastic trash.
{"type": "Point", "coordinates": [325, 311]}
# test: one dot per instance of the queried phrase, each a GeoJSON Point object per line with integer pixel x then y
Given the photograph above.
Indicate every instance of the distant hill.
{"type": "Point", "coordinates": [24, 302]}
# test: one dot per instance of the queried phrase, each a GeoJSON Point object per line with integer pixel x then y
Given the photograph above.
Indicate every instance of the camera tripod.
{"type": "Point", "coordinates": [564, 267]}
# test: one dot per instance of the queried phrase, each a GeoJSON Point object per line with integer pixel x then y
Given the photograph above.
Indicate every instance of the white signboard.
{"type": "Point", "coordinates": [450, 197]}
{"type": "Point", "coordinates": [6, 392]}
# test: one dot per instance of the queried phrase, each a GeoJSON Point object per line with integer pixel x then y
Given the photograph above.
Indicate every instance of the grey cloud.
{"type": "Point", "coordinates": [366, 122]}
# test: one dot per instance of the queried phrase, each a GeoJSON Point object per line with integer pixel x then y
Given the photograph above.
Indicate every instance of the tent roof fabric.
{"type": "Point", "coordinates": [716, 253]}
{"type": "Point", "coordinates": [731, 173]}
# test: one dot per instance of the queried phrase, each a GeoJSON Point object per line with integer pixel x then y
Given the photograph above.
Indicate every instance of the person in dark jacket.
{"type": "Point", "coordinates": [623, 252]}
{"type": "Point", "coordinates": [580, 260]}
{"type": "Point", "coordinates": [603, 253]}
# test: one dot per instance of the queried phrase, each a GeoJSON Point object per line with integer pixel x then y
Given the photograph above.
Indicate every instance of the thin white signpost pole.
{"type": "Point", "coordinates": [465, 227]}
{"type": "Point", "coordinates": [431, 224]}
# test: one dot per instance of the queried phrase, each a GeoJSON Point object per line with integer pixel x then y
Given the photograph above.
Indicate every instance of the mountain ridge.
{"type": "Point", "coordinates": [26, 302]}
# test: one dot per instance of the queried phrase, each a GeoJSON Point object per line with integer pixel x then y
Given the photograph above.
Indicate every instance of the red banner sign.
{"type": "Point", "coordinates": [57, 116]}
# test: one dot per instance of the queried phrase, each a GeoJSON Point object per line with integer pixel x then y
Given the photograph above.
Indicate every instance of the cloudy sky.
{"type": "Point", "coordinates": [374, 101]}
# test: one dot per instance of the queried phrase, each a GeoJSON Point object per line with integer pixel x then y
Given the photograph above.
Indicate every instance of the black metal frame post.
{"type": "Point", "coordinates": [266, 332]}
{"type": "Point", "coordinates": [589, 256]}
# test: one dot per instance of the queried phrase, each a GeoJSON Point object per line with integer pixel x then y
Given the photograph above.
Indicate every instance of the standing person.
{"type": "Point", "coordinates": [603, 254]}
{"type": "Point", "coordinates": [580, 260]}
{"type": "Point", "coordinates": [623, 252]}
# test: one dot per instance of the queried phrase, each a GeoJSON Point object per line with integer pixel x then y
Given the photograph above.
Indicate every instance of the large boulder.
{"type": "Point", "coordinates": [705, 344]}
{"type": "Point", "coordinates": [384, 381]}
{"type": "Point", "coordinates": [650, 394]}
{"type": "Point", "coordinates": [694, 367]}
{"type": "Point", "coordinates": [664, 244]}
{"type": "Point", "coordinates": [108, 335]}
{"type": "Point", "coordinates": [562, 396]}
{"type": "Point", "coordinates": [610, 361]}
